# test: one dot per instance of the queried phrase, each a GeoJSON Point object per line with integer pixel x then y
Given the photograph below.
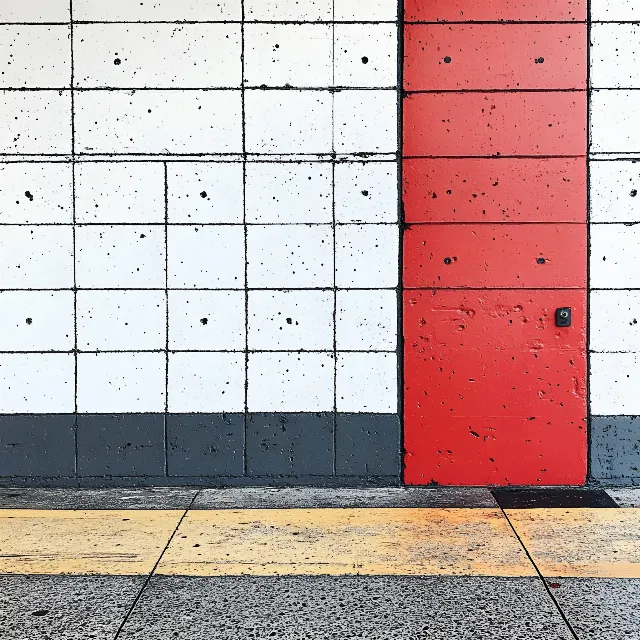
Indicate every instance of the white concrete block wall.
{"type": "Point", "coordinates": [614, 337]}
{"type": "Point", "coordinates": [202, 216]}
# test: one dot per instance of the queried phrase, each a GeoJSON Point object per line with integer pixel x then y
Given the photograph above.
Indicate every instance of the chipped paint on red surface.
{"type": "Point", "coordinates": [441, 57]}
{"type": "Point", "coordinates": [497, 256]}
{"type": "Point", "coordinates": [484, 319]}
{"type": "Point", "coordinates": [493, 389]}
{"type": "Point", "coordinates": [495, 10]}
{"type": "Point", "coordinates": [496, 451]}
{"type": "Point", "coordinates": [495, 190]}
{"type": "Point", "coordinates": [495, 137]}
{"type": "Point", "coordinates": [487, 124]}
{"type": "Point", "coordinates": [487, 353]}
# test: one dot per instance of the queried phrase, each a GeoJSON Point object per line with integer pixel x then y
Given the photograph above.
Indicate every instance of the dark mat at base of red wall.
{"type": "Point", "coordinates": [551, 498]}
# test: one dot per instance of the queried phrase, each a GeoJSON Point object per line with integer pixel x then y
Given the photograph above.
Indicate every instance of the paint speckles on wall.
{"type": "Point", "coordinates": [614, 268]}
{"type": "Point", "coordinates": [494, 193]}
{"type": "Point", "coordinates": [200, 235]}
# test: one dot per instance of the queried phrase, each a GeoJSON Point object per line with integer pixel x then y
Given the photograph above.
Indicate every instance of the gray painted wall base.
{"type": "Point", "coordinates": [615, 448]}
{"type": "Point", "coordinates": [230, 450]}
{"type": "Point", "coordinates": [268, 449]}
{"type": "Point", "coordinates": [211, 482]}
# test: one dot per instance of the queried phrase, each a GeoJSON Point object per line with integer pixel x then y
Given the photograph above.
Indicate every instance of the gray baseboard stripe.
{"type": "Point", "coordinates": [281, 449]}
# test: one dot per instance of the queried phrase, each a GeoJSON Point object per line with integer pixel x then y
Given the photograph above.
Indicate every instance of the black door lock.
{"type": "Point", "coordinates": [563, 317]}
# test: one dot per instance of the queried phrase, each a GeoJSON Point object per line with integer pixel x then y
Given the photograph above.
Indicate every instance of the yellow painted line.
{"type": "Point", "coordinates": [345, 542]}
{"type": "Point", "coordinates": [589, 543]}
{"type": "Point", "coordinates": [83, 542]}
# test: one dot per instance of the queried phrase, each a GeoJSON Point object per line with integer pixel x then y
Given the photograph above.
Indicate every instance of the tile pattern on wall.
{"type": "Point", "coordinates": [494, 175]}
{"type": "Point", "coordinates": [199, 210]}
{"type": "Point", "coordinates": [614, 215]}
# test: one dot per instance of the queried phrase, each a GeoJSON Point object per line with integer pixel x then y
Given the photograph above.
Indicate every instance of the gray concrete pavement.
{"type": "Point", "coordinates": [116, 607]}
{"type": "Point", "coordinates": [65, 607]}
{"type": "Point", "coordinates": [313, 498]}
{"type": "Point", "coordinates": [152, 498]}
{"type": "Point", "coordinates": [345, 608]}
{"type": "Point", "coordinates": [600, 608]}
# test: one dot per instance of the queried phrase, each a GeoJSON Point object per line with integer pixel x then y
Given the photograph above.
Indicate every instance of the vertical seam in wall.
{"type": "Point", "coordinates": [588, 230]}
{"type": "Point", "coordinates": [73, 230]}
{"type": "Point", "coordinates": [166, 299]}
{"type": "Point", "coordinates": [246, 249]}
{"type": "Point", "coordinates": [333, 226]}
{"type": "Point", "coordinates": [400, 296]}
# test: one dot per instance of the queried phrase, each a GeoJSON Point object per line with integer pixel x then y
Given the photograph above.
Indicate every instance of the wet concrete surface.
{"type": "Point", "coordinates": [311, 498]}
{"type": "Point", "coordinates": [600, 608]}
{"type": "Point", "coordinates": [152, 498]}
{"type": "Point", "coordinates": [64, 607]}
{"type": "Point", "coordinates": [345, 608]}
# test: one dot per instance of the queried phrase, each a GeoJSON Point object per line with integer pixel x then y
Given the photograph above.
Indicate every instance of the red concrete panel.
{"type": "Point", "coordinates": [489, 320]}
{"type": "Point", "coordinates": [452, 383]}
{"type": "Point", "coordinates": [504, 256]}
{"type": "Point", "coordinates": [493, 389]}
{"type": "Point", "coordinates": [495, 56]}
{"type": "Point", "coordinates": [487, 124]}
{"type": "Point", "coordinates": [495, 451]}
{"type": "Point", "coordinates": [495, 190]}
{"type": "Point", "coordinates": [487, 353]}
{"type": "Point", "coordinates": [495, 10]}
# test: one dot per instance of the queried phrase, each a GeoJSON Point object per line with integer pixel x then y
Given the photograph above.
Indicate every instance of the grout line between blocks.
{"type": "Point", "coordinates": [401, 229]}
{"type": "Point", "coordinates": [192, 22]}
{"type": "Point", "coordinates": [588, 264]}
{"type": "Point", "coordinates": [163, 350]}
{"type": "Point", "coordinates": [245, 461]}
{"type": "Point", "coordinates": [114, 89]}
{"type": "Point", "coordinates": [445, 24]}
{"type": "Point", "coordinates": [166, 292]}
{"type": "Point", "coordinates": [333, 214]}
{"type": "Point", "coordinates": [223, 157]}
{"type": "Point", "coordinates": [205, 289]}
{"type": "Point", "coordinates": [73, 205]}
{"type": "Point", "coordinates": [234, 224]}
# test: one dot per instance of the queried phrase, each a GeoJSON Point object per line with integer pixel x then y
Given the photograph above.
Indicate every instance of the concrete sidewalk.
{"type": "Point", "coordinates": [319, 563]}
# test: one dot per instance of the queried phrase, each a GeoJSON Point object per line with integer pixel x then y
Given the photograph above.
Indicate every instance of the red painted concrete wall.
{"type": "Point", "coordinates": [495, 241]}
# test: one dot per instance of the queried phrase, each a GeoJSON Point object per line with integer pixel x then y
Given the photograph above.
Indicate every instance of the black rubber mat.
{"type": "Point", "coordinates": [559, 498]}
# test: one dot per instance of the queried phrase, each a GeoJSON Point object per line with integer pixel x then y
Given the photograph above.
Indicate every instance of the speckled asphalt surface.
{"type": "Point", "coordinates": [66, 608]}
{"type": "Point", "coordinates": [447, 607]}
{"type": "Point", "coordinates": [376, 608]}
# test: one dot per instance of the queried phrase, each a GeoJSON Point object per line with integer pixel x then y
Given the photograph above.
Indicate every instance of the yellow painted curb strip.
{"type": "Point", "coordinates": [83, 542]}
{"type": "Point", "coordinates": [470, 542]}
{"type": "Point", "coordinates": [345, 542]}
{"type": "Point", "coordinates": [587, 543]}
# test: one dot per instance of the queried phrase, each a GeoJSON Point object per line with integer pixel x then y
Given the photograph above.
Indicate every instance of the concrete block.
{"type": "Point", "coordinates": [121, 445]}
{"type": "Point", "coordinates": [205, 444]}
{"type": "Point", "coordinates": [290, 444]}
{"type": "Point", "coordinates": [368, 444]}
